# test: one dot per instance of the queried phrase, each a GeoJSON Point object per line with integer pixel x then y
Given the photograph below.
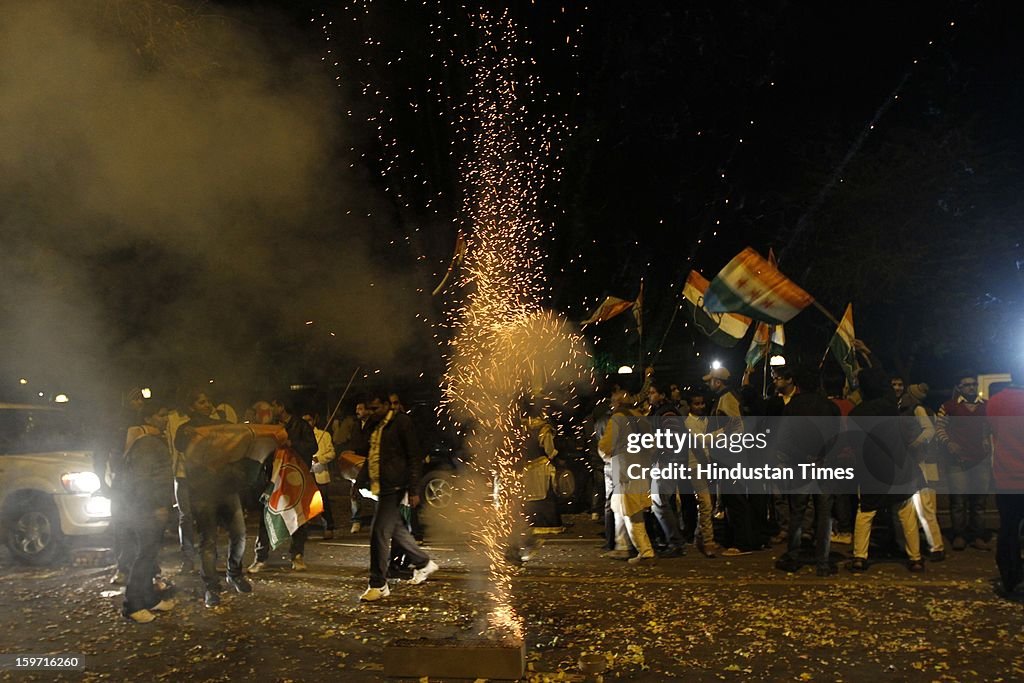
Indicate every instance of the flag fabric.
{"type": "Point", "coordinates": [752, 286]}
{"type": "Point", "coordinates": [611, 307]}
{"type": "Point", "coordinates": [215, 446]}
{"type": "Point", "coordinates": [768, 340]}
{"type": "Point", "coordinates": [638, 310]}
{"type": "Point", "coordinates": [725, 329]}
{"type": "Point", "coordinates": [841, 346]}
{"type": "Point", "coordinates": [294, 500]}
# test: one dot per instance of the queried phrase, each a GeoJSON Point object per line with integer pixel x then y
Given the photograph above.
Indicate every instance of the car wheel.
{"type": "Point", "coordinates": [438, 490]}
{"type": "Point", "coordinates": [33, 533]}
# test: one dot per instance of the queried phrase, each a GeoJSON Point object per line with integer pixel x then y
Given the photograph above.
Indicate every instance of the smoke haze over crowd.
{"type": "Point", "coordinates": [173, 201]}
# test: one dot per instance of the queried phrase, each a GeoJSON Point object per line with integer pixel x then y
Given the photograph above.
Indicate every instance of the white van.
{"type": "Point", "coordinates": [48, 490]}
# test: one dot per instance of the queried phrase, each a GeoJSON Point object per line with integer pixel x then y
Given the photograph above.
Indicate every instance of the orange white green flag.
{"type": "Point", "coordinates": [725, 329]}
{"type": "Point", "coordinates": [295, 498]}
{"type": "Point", "coordinates": [841, 345]}
{"type": "Point", "coordinates": [752, 286]}
{"type": "Point", "coordinates": [609, 308]}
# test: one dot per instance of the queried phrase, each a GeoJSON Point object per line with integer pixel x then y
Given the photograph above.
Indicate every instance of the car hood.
{"type": "Point", "coordinates": [64, 459]}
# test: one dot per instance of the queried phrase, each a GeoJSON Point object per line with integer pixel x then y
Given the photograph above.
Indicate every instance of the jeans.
{"type": "Point", "coordinates": [1011, 514]}
{"type": "Point", "coordinates": [186, 525]}
{"type": "Point", "coordinates": [968, 488]}
{"type": "Point", "coordinates": [225, 509]}
{"type": "Point", "coordinates": [663, 502]}
{"type": "Point", "coordinates": [146, 530]}
{"type": "Point", "coordinates": [388, 537]}
{"type": "Point", "coordinates": [798, 503]}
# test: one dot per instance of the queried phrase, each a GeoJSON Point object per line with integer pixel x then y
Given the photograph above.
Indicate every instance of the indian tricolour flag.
{"type": "Point", "coordinates": [609, 308]}
{"type": "Point", "coordinates": [751, 286]}
{"type": "Point", "coordinates": [768, 340]}
{"type": "Point", "coordinates": [295, 499]}
{"type": "Point", "coordinates": [842, 345]}
{"type": "Point", "coordinates": [725, 329]}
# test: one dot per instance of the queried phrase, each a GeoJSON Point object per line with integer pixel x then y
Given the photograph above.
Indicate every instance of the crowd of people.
{"type": "Point", "coordinates": [968, 447]}
{"type": "Point", "coordinates": [152, 474]}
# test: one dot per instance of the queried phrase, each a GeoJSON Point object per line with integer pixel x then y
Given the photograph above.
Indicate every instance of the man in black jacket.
{"type": "Point", "coordinates": [887, 474]}
{"type": "Point", "coordinates": [145, 482]}
{"type": "Point", "coordinates": [392, 470]}
{"type": "Point", "coordinates": [807, 433]}
{"type": "Point", "coordinates": [302, 440]}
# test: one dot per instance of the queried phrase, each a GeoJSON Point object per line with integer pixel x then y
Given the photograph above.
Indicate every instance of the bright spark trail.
{"type": "Point", "coordinates": [506, 348]}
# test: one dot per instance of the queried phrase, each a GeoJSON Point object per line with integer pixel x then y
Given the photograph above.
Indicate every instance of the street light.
{"type": "Point", "coordinates": [147, 393]}
{"type": "Point", "coordinates": [22, 381]}
{"type": "Point", "coordinates": [776, 361]}
{"type": "Point", "coordinates": [716, 364]}
{"type": "Point", "coordinates": [625, 370]}
{"type": "Point", "coordinates": [61, 398]}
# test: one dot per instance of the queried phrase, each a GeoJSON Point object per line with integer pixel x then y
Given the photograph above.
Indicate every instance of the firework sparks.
{"type": "Point", "coordinates": [506, 347]}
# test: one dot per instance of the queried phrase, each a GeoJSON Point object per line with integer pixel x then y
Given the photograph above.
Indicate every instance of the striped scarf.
{"type": "Point", "coordinates": [374, 460]}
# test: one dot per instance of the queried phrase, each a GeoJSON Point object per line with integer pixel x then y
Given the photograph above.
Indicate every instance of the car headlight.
{"type": "Point", "coordinates": [98, 506]}
{"type": "Point", "coordinates": [80, 482]}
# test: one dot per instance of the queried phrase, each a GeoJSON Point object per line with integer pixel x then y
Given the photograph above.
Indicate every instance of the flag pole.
{"type": "Point", "coordinates": [825, 312]}
{"type": "Point", "coordinates": [767, 361]}
{"type": "Point", "coordinates": [327, 425]}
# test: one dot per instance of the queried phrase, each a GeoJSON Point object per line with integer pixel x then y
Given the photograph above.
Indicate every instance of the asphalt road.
{"type": "Point", "coordinates": [692, 618]}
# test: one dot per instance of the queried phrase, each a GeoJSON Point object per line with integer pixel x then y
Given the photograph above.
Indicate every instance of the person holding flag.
{"type": "Point", "coordinates": [392, 473]}
{"type": "Point", "coordinates": [302, 442]}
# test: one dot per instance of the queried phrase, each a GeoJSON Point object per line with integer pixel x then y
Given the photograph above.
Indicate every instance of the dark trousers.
{"type": "Point", "coordinates": [798, 503]}
{"type": "Point", "coordinates": [209, 511]}
{"type": "Point", "coordinates": [389, 536]}
{"type": "Point", "coordinates": [145, 530]}
{"type": "Point", "coordinates": [121, 535]}
{"type": "Point", "coordinates": [748, 519]}
{"type": "Point", "coordinates": [186, 525]}
{"type": "Point", "coordinates": [327, 517]}
{"type": "Point", "coordinates": [844, 505]}
{"type": "Point", "coordinates": [1011, 514]}
{"type": "Point", "coordinates": [297, 547]}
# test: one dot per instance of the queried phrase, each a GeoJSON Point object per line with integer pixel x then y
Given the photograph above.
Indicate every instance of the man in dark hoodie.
{"type": "Point", "coordinates": [886, 471]}
{"type": "Point", "coordinates": [145, 482]}
{"type": "Point", "coordinates": [809, 428]}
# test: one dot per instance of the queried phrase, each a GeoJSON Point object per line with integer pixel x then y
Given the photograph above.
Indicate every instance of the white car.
{"type": "Point", "coordinates": [48, 490]}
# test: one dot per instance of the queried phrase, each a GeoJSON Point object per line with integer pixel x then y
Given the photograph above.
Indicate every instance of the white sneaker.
{"type": "Point", "coordinates": [372, 594]}
{"type": "Point", "coordinates": [356, 528]}
{"type": "Point", "coordinates": [420, 575]}
{"type": "Point", "coordinates": [257, 566]}
{"type": "Point", "coordinates": [163, 606]}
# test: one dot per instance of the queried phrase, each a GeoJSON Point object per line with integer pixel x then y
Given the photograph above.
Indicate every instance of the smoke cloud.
{"type": "Point", "coordinates": [176, 200]}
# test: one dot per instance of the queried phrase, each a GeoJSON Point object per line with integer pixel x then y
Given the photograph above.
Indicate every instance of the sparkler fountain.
{"type": "Point", "coordinates": [505, 348]}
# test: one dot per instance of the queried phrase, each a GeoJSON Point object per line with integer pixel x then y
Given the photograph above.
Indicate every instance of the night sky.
{"type": "Point", "coordinates": [915, 221]}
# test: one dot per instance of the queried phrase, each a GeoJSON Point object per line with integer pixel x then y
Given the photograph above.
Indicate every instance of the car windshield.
{"type": "Point", "coordinates": [24, 430]}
